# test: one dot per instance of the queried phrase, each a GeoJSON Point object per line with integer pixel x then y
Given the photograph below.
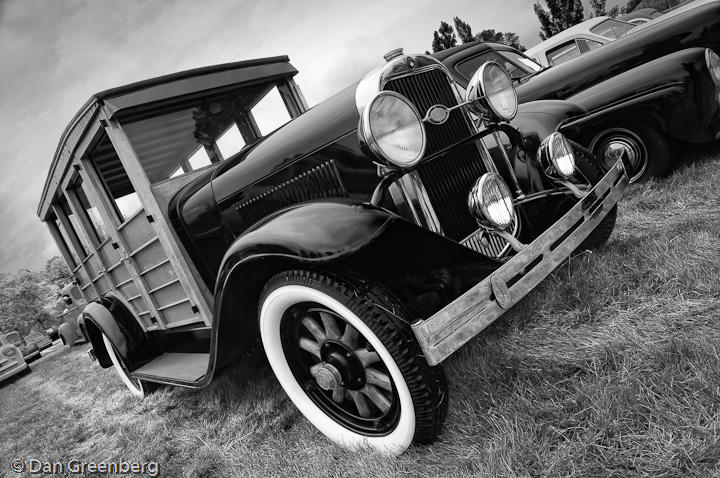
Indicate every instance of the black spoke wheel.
{"type": "Point", "coordinates": [344, 353]}
{"type": "Point", "coordinates": [341, 372]}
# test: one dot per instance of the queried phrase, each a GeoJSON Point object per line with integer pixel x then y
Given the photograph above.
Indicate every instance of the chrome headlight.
{"type": "Point", "coordinates": [491, 91]}
{"type": "Point", "coordinates": [491, 202]}
{"type": "Point", "coordinates": [393, 129]}
{"type": "Point", "coordinates": [713, 64]}
{"type": "Point", "coordinates": [556, 156]}
{"type": "Point", "coordinates": [8, 350]}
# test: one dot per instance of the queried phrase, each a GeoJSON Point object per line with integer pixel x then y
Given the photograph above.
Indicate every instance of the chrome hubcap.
{"type": "Point", "coordinates": [327, 376]}
{"type": "Point", "coordinates": [623, 143]}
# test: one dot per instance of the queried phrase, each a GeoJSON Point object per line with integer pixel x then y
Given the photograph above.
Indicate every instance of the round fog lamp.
{"type": "Point", "coordinates": [556, 155]}
{"type": "Point", "coordinates": [491, 202]}
{"type": "Point", "coordinates": [393, 130]}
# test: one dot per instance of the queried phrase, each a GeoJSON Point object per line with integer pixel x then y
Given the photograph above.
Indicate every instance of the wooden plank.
{"type": "Point", "coordinates": [65, 223]}
{"type": "Point", "coordinates": [74, 142]}
{"type": "Point", "coordinates": [454, 325]}
{"type": "Point", "coordinates": [186, 271]}
{"type": "Point", "coordinates": [96, 195]}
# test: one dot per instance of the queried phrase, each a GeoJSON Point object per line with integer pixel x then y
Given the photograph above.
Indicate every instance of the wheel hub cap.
{"type": "Point", "coordinates": [328, 377]}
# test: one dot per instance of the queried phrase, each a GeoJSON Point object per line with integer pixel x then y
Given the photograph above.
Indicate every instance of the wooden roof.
{"type": "Point", "coordinates": [149, 93]}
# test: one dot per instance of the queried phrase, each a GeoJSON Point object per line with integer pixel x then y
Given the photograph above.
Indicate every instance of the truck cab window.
{"type": "Point", "coordinates": [116, 181]}
{"type": "Point", "coordinates": [177, 139]}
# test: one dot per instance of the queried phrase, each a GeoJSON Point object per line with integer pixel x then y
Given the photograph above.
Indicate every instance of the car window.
{"type": "Point", "coordinates": [516, 65]}
{"type": "Point", "coordinates": [585, 45]}
{"type": "Point", "coordinates": [270, 112]}
{"type": "Point", "coordinates": [612, 28]}
{"type": "Point", "coordinates": [522, 60]}
{"type": "Point", "coordinates": [563, 53]}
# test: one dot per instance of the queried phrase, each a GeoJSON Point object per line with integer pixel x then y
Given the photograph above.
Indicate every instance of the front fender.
{"type": "Point", "coordinates": [675, 94]}
{"type": "Point", "coordinates": [346, 236]}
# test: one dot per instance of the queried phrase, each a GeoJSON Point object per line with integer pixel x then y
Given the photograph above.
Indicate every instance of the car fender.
{"type": "Point", "coordinates": [675, 94]}
{"type": "Point", "coordinates": [336, 235]}
{"type": "Point", "coordinates": [96, 319]}
{"type": "Point", "coordinates": [68, 333]}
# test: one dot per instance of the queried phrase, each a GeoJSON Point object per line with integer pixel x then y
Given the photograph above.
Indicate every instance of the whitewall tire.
{"type": "Point", "coordinates": [353, 371]}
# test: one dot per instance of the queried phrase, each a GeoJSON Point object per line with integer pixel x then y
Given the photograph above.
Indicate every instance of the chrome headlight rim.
{"type": "Point", "coordinates": [556, 156]}
{"type": "Point", "coordinates": [479, 202]}
{"type": "Point", "coordinates": [368, 136]}
{"type": "Point", "coordinates": [712, 61]}
{"type": "Point", "coordinates": [477, 93]}
{"type": "Point", "coordinates": [8, 350]}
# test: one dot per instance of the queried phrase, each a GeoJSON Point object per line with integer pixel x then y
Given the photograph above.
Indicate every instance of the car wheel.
{"type": "Point", "coordinates": [589, 168]}
{"type": "Point", "coordinates": [345, 355]}
{"type": "Point", "coordinates": [134, 385]}
{"type": "Point", "coordinates": [647, 150]}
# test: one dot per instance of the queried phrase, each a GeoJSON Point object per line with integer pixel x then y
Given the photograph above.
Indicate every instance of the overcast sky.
{"type": "Point", "coordinates": [55, 53]}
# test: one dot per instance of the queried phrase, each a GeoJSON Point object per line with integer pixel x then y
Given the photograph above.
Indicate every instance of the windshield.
{"type": "Point", "coordinates": [178, 139]}
{"type": "Point", "coordinates": [612, 28]}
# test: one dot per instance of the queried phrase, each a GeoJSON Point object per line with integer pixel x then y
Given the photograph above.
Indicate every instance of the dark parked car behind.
{"type": "Point", "coordinates": [649, 93]}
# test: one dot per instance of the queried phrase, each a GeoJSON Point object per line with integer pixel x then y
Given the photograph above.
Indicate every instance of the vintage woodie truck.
{"type": "Point", "coordinates": [361, 243]}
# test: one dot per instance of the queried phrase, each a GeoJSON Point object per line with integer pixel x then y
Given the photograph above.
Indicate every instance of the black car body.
{"type": "Point", "coordinates": [360, 270]}
{"type": "Point", "coordinates": [653, 88]}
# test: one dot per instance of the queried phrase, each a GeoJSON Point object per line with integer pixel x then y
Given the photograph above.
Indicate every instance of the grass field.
{"type": "Point", "coordinates": [610, 368]}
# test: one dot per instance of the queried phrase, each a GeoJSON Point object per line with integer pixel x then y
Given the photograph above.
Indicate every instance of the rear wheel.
{"type": "Point", "coordinates": [344, 353]}
{"type": "Point", "coordinates": [134, 385]}
{"type": "Point", "coordinates": [646, 150]}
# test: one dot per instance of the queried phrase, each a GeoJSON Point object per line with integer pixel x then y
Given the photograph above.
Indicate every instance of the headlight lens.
{"type": "Point", "coordinates": [393, 129]}
{"type": "Point", "coordinates": [491, 202]}
{"type": "Point", "coordinates": [713, 63]}
{"type": "Point", "coordinates": [8, 350]}
{"type": "Point", "coordinates": [491, 88]}
{"type": "Point", "coordinates": [556, 155]}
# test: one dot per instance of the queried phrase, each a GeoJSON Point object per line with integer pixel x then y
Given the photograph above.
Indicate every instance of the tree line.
{"type": "Point", "coordinates": [29, 300]}
{"type": "Point", "coordinates": [558, 16]}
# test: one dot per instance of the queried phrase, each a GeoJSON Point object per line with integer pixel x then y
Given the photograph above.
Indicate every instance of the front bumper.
{"type": "Point", "coordinates": [453, 326]}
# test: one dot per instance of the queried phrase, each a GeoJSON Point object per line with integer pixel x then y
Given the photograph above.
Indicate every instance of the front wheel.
{"type": "Point", "coordinates": [344, 353]}
{"type": "Point", "coordinates": [647, 151]}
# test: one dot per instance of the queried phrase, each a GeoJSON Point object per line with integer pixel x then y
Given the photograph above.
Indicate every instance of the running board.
{"type": "Point", "coordinates": [182, 369]}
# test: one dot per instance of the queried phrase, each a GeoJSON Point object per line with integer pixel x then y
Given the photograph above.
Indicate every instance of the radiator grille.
{"type": "Point", "coordinates": [448, 179]}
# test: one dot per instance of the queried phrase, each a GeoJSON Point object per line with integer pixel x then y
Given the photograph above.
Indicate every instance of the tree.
{"type": "Point", "coordinates": [25, 296]}
{"type": "Point", "coordinates": [445, 35]}
{"type": "Point", "coordinates": [57, 272]}
{"type": "Point", "coordinates": [561, 14]}
{"type": "Point", "coordinates": [443, 38]}
{"type": "Point", "coordinates": [598, 8]}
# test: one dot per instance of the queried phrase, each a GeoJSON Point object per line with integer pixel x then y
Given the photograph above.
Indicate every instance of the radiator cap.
{"type": "Point", "coordinates": [393, 54]}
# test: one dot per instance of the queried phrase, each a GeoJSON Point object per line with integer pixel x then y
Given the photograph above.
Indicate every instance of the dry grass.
{"type": "Point", "coordinates": [609, 368]}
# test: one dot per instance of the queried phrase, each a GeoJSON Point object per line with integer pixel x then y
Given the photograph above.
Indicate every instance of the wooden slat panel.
{"type": "Point", "coordinates": [129, 290]}
{"type": "Point", "coordinates": [169, 295]}
{"type": "Point", "coordinates": [159, 276]}
{"type": "Point", "coordinates": [137, 232]}
{"type": "Point", "coordinates": [179, 314]}
{"type": "Point", "coordinates": [149, 256]}
{"type": "Point", "coordinates": [120, 275]}
{"type": "Point", "coordinates": [108, 254]}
